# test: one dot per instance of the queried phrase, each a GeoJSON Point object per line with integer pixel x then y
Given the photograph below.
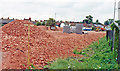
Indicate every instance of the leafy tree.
{"type": "Point", "coordinates": [66, 23]}
{"type": "Point", "coordinates": [38, 24]}
{"type": "Point", "coordinates": [85, 21]}
{"type": "Point", "coordinates": [61, 21]}
{"type": "Point", "coordinates": [51, 22]}
{"type": "Point", "coordinates": [109, 21]}
{"type": "Point", "coordinates": [106, 22]}
{"type": "Point", "coordinates": [43, 23]}
{"type": "Point", "coordinates": [88, 20]}
{"type": "Point", "coordinates": [118, 21]}
{"type": "Point", "coordinates": [97, 21]}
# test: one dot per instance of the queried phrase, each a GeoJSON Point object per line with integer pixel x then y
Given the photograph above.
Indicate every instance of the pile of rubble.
{"type": "Point", "coordinates": [43, 46]}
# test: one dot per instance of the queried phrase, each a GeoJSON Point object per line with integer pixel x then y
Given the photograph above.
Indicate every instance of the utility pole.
{"type": "Point", "coordinates": [114, 10]}
{"type": "Point", "coordinates": [114, 29]}
{"type": "Point", "coordinates": [55, 15]}
{"type": "Point", "coordinates": [28, 59]}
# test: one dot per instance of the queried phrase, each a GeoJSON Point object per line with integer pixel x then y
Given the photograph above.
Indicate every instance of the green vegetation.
{"type": "Point", "coordinates": [97, 56]}
{"type": "Point", "coordinates": [88, 20]}
{"type": "Point", "coordinates": [93, 28]}
{"type": "Point", "coordinates": [38, 24]}
{"type": "Point", "coordinates": [1, 24]}
{"type": "Point", "coordinates": [116, 41]}
{"type": "Point", "coordinates": [51, 22]}
{"type": "Point", "coordinates": [109, 21]}
{"type": "Point", "coordinates": [43, 23]}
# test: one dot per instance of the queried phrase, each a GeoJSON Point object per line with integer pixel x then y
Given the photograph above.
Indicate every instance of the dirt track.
{"type": "Point", "coordinates": [44, 45]}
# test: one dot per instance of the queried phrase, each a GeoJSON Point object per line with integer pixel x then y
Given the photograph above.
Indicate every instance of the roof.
{"type": "Point", "coordinates": [58, 23]}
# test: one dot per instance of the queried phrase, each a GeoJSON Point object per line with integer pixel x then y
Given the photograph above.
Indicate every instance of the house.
{"type": "Point", "coordinates": [34, 22]}
{"type": "Point", "coordinates": [6, 20]}
{"type": "Point", "coordinates": [58, 24]}
{"type": "Point", "coordinates": [28, 19]}
{"type": "Point", "coordinates": [62, 24]}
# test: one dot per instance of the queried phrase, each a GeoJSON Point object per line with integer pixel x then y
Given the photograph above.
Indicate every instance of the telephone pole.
{"type": "Point", "coordinates": [55, 15]}
{"type": "Point", "coordinates": [114, 10]}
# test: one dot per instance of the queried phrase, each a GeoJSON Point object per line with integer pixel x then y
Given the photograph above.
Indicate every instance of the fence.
{"type": "Point", "coordinates": [113, 36]}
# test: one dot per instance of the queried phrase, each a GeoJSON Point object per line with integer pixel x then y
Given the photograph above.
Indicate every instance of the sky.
{"type": "Point", "coordinates": [66, 10]}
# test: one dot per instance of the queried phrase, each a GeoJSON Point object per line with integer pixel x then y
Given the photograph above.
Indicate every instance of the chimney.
{"type": "Point", "coordinates": [41, 21]}
{"type": "Point", "coordinates": [30, 18]}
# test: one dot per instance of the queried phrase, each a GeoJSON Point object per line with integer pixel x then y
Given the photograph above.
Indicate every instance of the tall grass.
{"type": "Point", "coordinates": [96, 56]}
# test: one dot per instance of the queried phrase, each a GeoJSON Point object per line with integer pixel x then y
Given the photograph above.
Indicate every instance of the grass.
{"type": "Point", "coordinates": [98, 55]}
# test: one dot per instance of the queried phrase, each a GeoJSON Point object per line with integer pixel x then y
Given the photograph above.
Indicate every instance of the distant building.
{"type": "Point", "coordinates": [34, 22]}
{"type": "Point", "coordinates": [119, 10]}
{"type": "Point", "coordinates": [28, 19]}
{"type": "Point", "coordinates": [6, 20]}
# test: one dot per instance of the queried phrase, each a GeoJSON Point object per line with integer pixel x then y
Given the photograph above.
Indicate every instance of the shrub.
{"type": "Point", "coordinates": [38, 24]}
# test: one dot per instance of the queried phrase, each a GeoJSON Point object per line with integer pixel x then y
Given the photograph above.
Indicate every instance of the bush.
{"type": "Point", "coordinates": [93, 28]}
{"type": "Point", "coordinates": [38, 24]}
{"type": "Point", "coordinates": [43, 23]}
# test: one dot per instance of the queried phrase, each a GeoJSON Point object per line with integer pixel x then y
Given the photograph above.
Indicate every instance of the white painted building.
{"type": "Point", "coordinates": [119, 10]}
{"type": "Point", "coordinates": [62, 24]}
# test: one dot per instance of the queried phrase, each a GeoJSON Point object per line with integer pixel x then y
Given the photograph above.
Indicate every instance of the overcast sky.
{"type": "Point", "coordinates": [74, 10]}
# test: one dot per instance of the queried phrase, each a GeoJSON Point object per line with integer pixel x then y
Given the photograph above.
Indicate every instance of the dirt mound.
{"type": "Point", "coordinates": [44, 46]}
{"type": "Point", "coordinates": [17, 28]}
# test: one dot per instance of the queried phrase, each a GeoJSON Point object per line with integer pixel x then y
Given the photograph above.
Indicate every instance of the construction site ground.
{"type": "Point", "coordinates": [45, 46]}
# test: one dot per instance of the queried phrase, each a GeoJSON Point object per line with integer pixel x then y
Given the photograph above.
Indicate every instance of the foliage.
{"type": "Point", "coordinates": [106, 22]}
{"type": "Point", "coordinates": [116, 41]}
{"type": "Point", "coordinates": [43, 23]}
{"type": "Point", "coordinates": [97, 56]}
{"type": "Point", "coordinates": [93, 28]}
{"type": "Point", "coordinates": [88, 20]}
{"type": "Point", "coordinates": [38, 24]}
{"type": "Point", "coordinates": [109, 21]}
{"type": "Point", "coordinates": [118, 21]}
{"type": "Point", "coordinates": [51, 22]}
{"type": "Point", "coordinates": [1, 24]}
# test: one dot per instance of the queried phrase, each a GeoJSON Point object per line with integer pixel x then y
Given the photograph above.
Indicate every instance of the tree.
{"type": "Point", "coordinates": [85, 21]}
{"type": "Point", "coordinates": [51, 22]}
{"type": "Point", "coordinates": [88, 20]}
{"type": "Point", "coordinates": [38, 24]}
{"type": "Point", "coordinates": [109, 21]}
{"type": "Point", "coordinates": [118, 21]}
{"type": "Point", "coordinates": [43, 23]}
{"type": "Point", "coordinates": [106, 22]}
{"type": "Point", "coordinates": [97, 22]}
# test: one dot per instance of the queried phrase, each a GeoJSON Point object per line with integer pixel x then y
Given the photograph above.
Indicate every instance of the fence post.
{"type": "Point", "coordinates": [113, 39]}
